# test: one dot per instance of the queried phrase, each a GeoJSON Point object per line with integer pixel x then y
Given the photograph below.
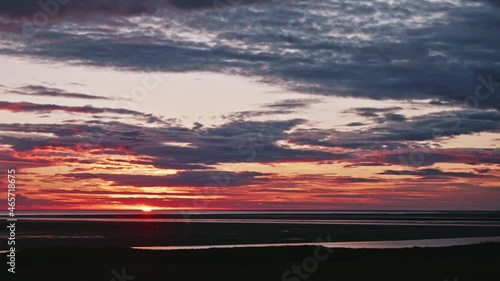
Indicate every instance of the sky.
{"type": "Point", "coordinates": [251, 104]}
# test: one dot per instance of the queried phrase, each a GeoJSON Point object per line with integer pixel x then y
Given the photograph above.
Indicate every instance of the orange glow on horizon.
{"type": "Point", "coordinates": [146, 209]}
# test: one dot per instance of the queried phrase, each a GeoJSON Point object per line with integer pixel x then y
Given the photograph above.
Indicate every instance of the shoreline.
{"type": "Point", "coordinates": [385, 244]}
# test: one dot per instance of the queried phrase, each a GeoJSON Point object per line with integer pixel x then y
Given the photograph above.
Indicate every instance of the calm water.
{"type": "Point", "coordinates": [354, 245]}
{"type": "Point", "coordinates": [398, 244]}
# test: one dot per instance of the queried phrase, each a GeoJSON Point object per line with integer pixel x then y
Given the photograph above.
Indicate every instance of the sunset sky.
{"type": "Point", "coordinates": [293, 105]}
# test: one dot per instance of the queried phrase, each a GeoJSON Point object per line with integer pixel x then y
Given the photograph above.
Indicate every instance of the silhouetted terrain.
{"type": "Point", "coordinates": [474, 263]}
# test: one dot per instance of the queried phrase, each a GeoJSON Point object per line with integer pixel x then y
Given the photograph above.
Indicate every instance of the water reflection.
{"type": "Point", "coordinates": [397, 244]}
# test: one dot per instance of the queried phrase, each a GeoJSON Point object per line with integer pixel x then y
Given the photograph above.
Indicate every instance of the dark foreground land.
{"type": "Point", "coordinates": [474, 263]}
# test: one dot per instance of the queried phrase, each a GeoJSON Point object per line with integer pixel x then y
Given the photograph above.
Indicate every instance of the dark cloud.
{"type": "Point", "coordinates": [59, 8]}
{"type": "Point", "coordinates": [431, 173]}
{"type": "Point", "coordinates": [372, 111]}
{"type": "Point", "coordinates": [43, 108]}
{"type": "Point", "coordinates": [197, 126]}
{"type": "Point", "coordinates": [483, 170]}
{"type": "Point", "coordinates": [495, 3]}
{"type": "Point", "coordinates": [287, 106]}
{"type": "Point", "coordinates": [409, 59]}
{"type": "Point", "coordinates": [105, 192]}
{"type": "Point", "coordinates": [243, 115]}
{"type": "Point", "coordinates": [53, 92]}
{"type": "Point", "coordinates": [181, 179]}
{"type": "Point", "coordinates": [379, 115]}
{"type": "Point", "coordinates": [271, 130]}
{"type": "Point", "coordinates": [25, 201]}
{"type": "Point", "coordinates": [404, 132]}
{"type": "Point", "coordinates": [394, 117]}
{"type": "Point", "coordinates": [92, 8]}
{"type": "Point", "coordinates": [445, 51]}
{"type": "Point", "coordinates": [221, 4]}
{"type": "Point", "coordinates": [290, 104]}
{"type": "Point", "coordinates": [437, 125]}
{"type": "Point", "coordinates": [234, 142]}
{"type": "Point", "coordinates": [358, 139]}
{"type": "Point", "coordinates": [419, 158]}
{"type": "Point", "coordinates": [367, 164]}
{"type": "Point", "coordinates": [355, 124]}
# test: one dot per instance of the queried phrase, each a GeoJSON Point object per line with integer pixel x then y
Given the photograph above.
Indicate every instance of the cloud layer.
{"type": "Point", "coordinates": [400, 50]}
{"type": "Point", "coordinates": [386, 104]}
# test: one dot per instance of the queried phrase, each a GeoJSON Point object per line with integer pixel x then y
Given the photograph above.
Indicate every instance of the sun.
{"type": "Point", "coordinates": [146, 209]}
